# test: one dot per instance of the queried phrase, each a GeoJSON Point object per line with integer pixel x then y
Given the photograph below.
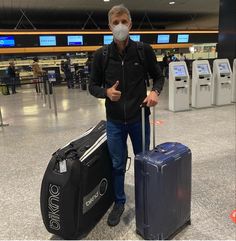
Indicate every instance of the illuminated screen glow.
{"type": "Point", "coordinates": [163, 39]}
{"type": "Point", "coordinates": [7, 41]}
{"type": "Point", "coordinates": [179, 70]}
{"type": "Point", "coordinates": [75, 40]}
{"type": "Point", "coordinates": [107, 39]}
{"type": "Point", "coordinates": [183, 38]}
{"type": "Point", "coordinates": [47, 41]}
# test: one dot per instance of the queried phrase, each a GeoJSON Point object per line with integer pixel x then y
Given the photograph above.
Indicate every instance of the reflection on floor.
{"type": "Point", "coordinates": [35, 133]}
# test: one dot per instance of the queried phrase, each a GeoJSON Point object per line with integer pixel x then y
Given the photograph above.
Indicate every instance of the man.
{"type": "Point", "coordinates": [182, 57]}
{"type": "Point", "coordinates": [68, 73]}
{"type": "Point", "coordinates": [12, 76]}
{"type": "Point", "coordinates": [122, 83]}
{"type": "Point", "coordinates": [37, 73]}
{"type": "Point", "coordinates": [165, 65]}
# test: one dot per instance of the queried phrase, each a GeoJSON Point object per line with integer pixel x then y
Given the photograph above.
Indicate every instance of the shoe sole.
{"type": "Point", "coordinates": [116, 223]}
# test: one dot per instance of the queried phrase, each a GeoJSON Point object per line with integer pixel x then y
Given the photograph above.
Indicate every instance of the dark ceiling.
{"type": "Point", "coordinates": [74, 14]}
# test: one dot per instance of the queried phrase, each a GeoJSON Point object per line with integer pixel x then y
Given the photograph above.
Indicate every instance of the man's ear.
{"type": "Point", "coordinates": [130, 26]}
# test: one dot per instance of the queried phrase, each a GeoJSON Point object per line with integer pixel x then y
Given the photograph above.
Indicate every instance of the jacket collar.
{"type": "Point", "coordinates": [130, 43]}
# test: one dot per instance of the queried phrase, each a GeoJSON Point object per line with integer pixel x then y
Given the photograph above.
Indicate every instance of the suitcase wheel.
{"type": "Point", "coordinates": [189, 222]}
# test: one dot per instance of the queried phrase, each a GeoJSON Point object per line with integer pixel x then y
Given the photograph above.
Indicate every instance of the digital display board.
{"type": "Point", "coordinates": [47, 41]}
{"type": "Point", "coordinates": [183, 38]}
{"type": "Point", "coordinates": [179, 70]}
{"type": "Point", "coordinates": [135, 37]}
{"type": "Point", "coordinates": [52, 75]}
{"type": "Point", "coordinates": [163, 39]}
{"type": "Point", "coordinates": [75, 40]}
{"type": "Point", "coordinates": [224, 68]}
{"type": "Point", "coordinates": [7, 41]}
{"type": "Point", "coordinates": [107, 39]}
{"type": "Point", "coordinates": [203, 69]}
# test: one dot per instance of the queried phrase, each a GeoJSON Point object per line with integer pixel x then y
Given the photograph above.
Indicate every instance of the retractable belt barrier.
{"type": "Point", "coordinates": [50, 90]}
{"type": "Point", "coordinates": [47, 88]}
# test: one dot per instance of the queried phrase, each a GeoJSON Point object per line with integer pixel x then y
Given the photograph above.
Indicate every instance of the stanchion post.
{"type": "Point", "coordinates": [54, 100]}
{"type": "Point", "coordinates": [87, 85]}
{"type": "Point", "coordinates": [41, 86]}
{"type": "Point", "coordinates": [1, 120]}
{"type": "Point", "coordinates": [48, 93]}
{"type": "Point", "coordinates": [43, 90]}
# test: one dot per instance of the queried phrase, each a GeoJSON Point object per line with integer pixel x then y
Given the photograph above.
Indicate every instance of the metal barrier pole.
{"type": "Point", "coordinates": [48, 93]}
{"type": "Point", "coordinates": [43, 91]}
{"type": "Point", "coordinates": [87, 86]}
{"type": "Point", "coordinates": [80, 81]}
{"type": "Point", "coordinates": [41, 87]}
{"type": "Point", "coordinates": [38, 85]}
{"type": "Point", "coordinates": [54, 100]}
{"type": "Point", "coordinates": [1, 121]}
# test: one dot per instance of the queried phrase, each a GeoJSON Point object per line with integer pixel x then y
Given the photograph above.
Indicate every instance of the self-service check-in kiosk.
{"type": "Point", "coordinates": [201, 84]}
{"type": "Point", "coordinates": [222, 80]}
{"type": "Point", "coordinates": [233, 99]}
{"type": "Point", "coordinates": [178, 86]}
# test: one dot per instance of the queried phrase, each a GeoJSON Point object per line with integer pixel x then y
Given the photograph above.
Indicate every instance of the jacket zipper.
{"type": "Point", "coordinates": [123, 75]}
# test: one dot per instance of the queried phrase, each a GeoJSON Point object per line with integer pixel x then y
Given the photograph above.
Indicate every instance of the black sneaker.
{"type": "Point", "coordinates": [115, 214]}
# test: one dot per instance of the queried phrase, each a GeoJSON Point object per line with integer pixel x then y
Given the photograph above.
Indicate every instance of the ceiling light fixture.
{"type": "Point", "coordinates": [172, 2]}
{"type": "Point", "coordinates": [106, 0]}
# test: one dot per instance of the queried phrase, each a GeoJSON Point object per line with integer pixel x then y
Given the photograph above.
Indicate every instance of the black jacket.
{"type": "Point", "coordinates": [130, 72]}
{"type": "Point", "coordinates": [11, 71]}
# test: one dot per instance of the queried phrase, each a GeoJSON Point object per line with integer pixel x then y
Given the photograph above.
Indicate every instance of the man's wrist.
{"type": "Point", "coordinates": [156, 91]}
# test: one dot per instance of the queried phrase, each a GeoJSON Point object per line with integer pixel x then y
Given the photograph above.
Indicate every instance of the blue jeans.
{"type": "Point", "coordinates": [117, 144]}
{"type": "Point", "coordinates": [13, 85]}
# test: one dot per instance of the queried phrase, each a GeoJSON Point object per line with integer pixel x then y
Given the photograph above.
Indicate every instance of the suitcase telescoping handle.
{"type": "Point", "coordinates": [143, 127]}
{"type": "Point", "coordinates": [144, 169]}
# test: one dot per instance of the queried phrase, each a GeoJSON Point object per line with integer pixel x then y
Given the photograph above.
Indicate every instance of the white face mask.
{"type": "Point", "coordinates": [120, 32]}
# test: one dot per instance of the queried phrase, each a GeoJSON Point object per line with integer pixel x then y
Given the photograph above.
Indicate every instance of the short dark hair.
{"type": "Point", "coordinates": [118, 9]}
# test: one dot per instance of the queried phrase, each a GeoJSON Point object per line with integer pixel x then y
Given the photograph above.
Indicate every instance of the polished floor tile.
{"type": "Point", "coordinates": [34, 133]}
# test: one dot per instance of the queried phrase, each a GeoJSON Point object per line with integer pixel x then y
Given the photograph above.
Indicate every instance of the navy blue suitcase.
{"type": "Point", "coordinates": [163, 190]}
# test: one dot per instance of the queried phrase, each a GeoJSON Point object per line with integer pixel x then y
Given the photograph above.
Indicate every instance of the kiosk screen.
{"type": "Point", "coordinates": [203, 69]}
{"type": "Point", "coordinates": [179, 70]}
{"type": "Point", "coordinates": [224, 68]}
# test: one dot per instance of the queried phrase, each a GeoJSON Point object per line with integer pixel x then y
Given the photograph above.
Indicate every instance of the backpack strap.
{"type": "Point", "coordinates": [141, 55]}
{"type": "Point", "coordinates": [105, 58]}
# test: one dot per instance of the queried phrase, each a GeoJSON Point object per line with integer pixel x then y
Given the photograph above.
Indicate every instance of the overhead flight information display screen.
{"type": "Point", "coordinates": [179, 70]}
{"type": "Point", "coordinates": [107, 39]}
{"type": "Point", "coordinates": [163, 39]}
{"type": "Point", "coordinates": [224, 68]}
{"type": "Point", "coordinates": [75, 40]}
{"type": "Point", "coordinates": [135, 37]}
{"type": "Point", "coordinates": [47, 41]}
{"type": "Point", "coordinates": [183, 38]}
{"type": "Point", "coordinates": [203, 69]}
{"type": "Point", "coordinates": [7, 41]}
